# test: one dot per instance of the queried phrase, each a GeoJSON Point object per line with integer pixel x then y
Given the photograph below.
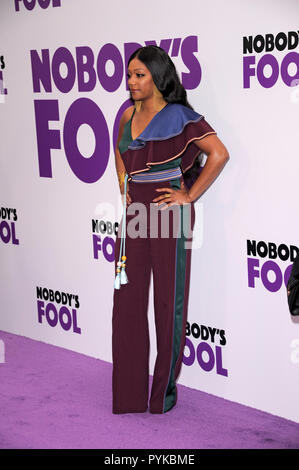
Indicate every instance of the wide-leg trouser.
{"type": "Point", "coordinates": [169, 258]}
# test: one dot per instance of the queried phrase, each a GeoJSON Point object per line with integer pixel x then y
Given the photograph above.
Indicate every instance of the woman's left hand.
{"type": "Point", "coordinates": [172, 197]}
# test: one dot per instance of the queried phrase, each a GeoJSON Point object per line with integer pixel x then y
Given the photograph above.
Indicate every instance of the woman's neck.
{"type": "Point", "coordinates": [152, 106]}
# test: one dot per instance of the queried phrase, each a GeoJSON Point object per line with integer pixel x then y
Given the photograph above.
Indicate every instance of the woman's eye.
{"type": "Point", "coordinates": [139, 75]}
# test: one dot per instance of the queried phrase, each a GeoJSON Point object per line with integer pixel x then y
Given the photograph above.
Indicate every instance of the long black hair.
{"type": "Point", "coordinates": [163, 72]}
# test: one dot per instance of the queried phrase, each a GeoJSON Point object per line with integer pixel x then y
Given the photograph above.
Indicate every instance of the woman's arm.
{"type": "Point", "coordinates": [120, 169]}
{"type": "Point", "coordinates": [217, 156]}
{"type": "Point", "coordinates": [119, 164]}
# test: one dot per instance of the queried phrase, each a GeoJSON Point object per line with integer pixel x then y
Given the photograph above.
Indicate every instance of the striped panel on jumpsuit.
{"type": "Point", "coordinates": [166, 145]}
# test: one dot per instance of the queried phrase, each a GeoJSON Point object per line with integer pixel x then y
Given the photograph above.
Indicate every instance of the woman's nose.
{"type": "Point", "coordinates": [131, 80]}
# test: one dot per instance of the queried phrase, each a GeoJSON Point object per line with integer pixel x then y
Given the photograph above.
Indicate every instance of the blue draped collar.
{"type": "Point", "coordinates": [167, 123]}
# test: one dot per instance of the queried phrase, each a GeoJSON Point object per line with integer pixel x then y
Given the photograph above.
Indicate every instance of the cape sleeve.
{"type": "Point", "coordinates": [191, 164]}
{"type": "Point", "coordinates": [170, 135]}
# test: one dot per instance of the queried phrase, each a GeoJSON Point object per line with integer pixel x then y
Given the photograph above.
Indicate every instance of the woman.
{"type": "Point", "coordinates": [158, 144]}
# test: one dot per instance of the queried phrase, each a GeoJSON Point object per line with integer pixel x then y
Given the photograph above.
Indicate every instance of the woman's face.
{"type": "Point", "coordinates": [140, 80]}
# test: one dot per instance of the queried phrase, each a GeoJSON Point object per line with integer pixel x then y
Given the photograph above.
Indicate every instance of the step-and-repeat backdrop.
{"type": "Point", "coordinates": [62, 92]}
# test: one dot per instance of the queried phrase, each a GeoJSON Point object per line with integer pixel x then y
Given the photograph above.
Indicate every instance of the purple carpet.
{"type": "Point", "coordinates": [52, 398]}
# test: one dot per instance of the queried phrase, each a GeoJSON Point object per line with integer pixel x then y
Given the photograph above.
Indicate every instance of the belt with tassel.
{"type": "Point", "coordinates": [150, 177]}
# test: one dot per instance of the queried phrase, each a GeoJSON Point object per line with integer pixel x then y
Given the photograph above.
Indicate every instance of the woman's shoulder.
{"type": "Point", "coordinates": [126, 116]}
{"type": "Point", "coordinates": [180, 115]}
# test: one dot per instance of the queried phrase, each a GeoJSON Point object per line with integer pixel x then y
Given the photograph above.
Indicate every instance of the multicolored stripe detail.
{"type": "Point", "coordinates": [171, 134]}
{"type": "Point", "coordinates": [178, 313]}
{"type": "Point", "coordinates": [154, 176]}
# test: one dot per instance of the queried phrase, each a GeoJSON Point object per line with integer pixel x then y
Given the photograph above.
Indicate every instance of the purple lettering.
{"type": "Point", "coordinates": [110, 52]}
{"type": "Point", "coordinates": [4, 227]}
{"type": "Point", "coordinates": [96, 241]}
{"type": "Point", "coordinates": [267, 82]}
{"type": "Point", "coordinates": [63, 56]}
{"type": "Point", "coordinates": [248, 71]}
{"type": "Point", "coordinates": [85, 64]}
{"type": "Point", "coordinates": [84, 110]}
{"type": "Point", "coordinates": [108, 241]}
{"type": "Point", "coordinates": [252, 263]}
{"type": "Point", "coordinates": [47, 139]}
{"type": "Point", "coordinates": [271, 61]}
{"type": "Point", "coordinates": [41, 71]}
{"type": "Point", "coordinates": [220, 370]}
{"type": "Point", "coordinates": [17, 6]}
{"type": "Point", "coordinates": [44, 3]}
{"type": "Point", "coordinates": [276, 284]}
{"type": "Point", "coordinates": [291, 57]}
{"type": "Point", "coordinates": [176, 47]}
{"type": "Point", "coordinates": [64, 312]}
{"type": "Point", "coordinates": [51, 308]}
{"type": "Point", "coordinates": [201, 348]}
{"type": "Point", "coordinates": [75, 325]}
{"type": "Point", "coordinates": [40, 310]}
{"type": "Point", "coordinates": [189, 360]}
{"type": "Point", "coordinates": [29, 4]}
{"type": "Point", "coordinates": [189, 47]}
{"type": "Point", "coordinates": [14, 239]}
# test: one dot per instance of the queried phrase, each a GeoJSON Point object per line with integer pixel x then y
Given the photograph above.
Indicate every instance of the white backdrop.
{"type": "Point", "coordinates": [242, 343]}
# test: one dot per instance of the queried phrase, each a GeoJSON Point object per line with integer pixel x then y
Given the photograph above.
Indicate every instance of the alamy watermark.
{"type": "Point", "coordinates": [152, 221]}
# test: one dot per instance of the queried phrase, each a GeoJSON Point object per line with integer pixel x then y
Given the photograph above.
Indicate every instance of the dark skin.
{"type": "Point", "coordinates": [142, 89]}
